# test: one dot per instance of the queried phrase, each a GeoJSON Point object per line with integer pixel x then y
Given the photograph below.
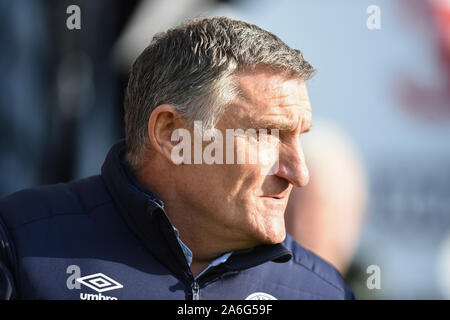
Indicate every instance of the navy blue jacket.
{"type": "Point", "coordinates": [107, 237]}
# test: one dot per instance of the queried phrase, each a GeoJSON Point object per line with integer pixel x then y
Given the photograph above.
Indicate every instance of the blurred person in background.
{"type": "Point", "coordinates": [149, 227]}
{"type": "Point", "coordinates": [327, 215]}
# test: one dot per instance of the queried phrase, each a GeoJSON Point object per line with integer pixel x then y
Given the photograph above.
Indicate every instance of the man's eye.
{"type": "Point", "coordinates": [261, 133]}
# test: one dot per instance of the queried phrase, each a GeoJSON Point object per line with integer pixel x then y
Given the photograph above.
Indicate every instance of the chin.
{"type": "Point", "coordinates": [270, 225]}
{"type": "Point", "coordinates": [278, 238]}
{"type": "Point", "coordinates": [273, 234]}
{"type": "Point", "coordinates": [265, 224]}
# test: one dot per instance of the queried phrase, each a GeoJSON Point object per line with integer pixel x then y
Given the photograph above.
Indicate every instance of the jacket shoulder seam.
{"type": "Point", "coordinates": [319, 276]}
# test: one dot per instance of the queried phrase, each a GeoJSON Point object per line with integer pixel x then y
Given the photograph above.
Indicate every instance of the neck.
{"type": "Point", "coordinates": [200, 236]}
{"type": "Point", "coordinates": [195, 230]}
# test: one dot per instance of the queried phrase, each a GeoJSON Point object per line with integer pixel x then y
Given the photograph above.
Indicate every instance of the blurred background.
{"type": "Point", "coordinates": [379, 151]}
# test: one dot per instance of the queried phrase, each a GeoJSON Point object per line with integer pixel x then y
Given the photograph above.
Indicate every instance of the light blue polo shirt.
{"type": "Point", "coordinates": [188, 255]}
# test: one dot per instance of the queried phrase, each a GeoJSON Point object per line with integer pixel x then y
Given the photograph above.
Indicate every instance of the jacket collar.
{"type": "Point", "coordinates": [144, 213]}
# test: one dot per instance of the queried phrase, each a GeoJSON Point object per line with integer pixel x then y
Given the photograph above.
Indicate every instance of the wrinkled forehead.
{"type": "Point", "coordinates": [268, 96]}
{"type": "Point", "coordinates": [271, 89]}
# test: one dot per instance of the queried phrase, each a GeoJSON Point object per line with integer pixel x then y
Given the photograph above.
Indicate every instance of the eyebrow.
{"type": "Point", "coordinates": [307, 129]}
{"type": "Point", "coordinates": [270, 124]}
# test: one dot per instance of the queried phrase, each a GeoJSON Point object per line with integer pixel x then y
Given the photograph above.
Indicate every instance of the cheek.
{"type": "Point", "coordinates": [217, 185]}
{"type": "Point", "coordinates": [262, 154]}
{"type": "Point", "coordinates": [268, 155]}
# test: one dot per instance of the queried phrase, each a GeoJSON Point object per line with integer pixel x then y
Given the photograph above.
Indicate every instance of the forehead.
{"type": "Point", "coordinates": [272, 87]}
{"type": "Point", "coordinates": [265, 95]}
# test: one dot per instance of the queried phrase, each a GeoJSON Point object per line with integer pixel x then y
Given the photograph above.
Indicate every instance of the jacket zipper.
{"type": "Point", "coordinates": [195, 290]}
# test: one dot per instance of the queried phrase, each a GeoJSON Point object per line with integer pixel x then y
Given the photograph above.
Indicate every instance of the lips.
{"type": "Point", "coordinates": [272, 203]}
{"type": "Point", "coordinates": [282, 194]}
{"type": "Point", "coordinates": [278, 196]}
{"type": "Point", "coordinates": [274, 197]}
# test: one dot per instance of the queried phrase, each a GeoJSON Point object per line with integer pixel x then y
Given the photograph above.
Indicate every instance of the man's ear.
{"type": "Point", "coordinates": [162, 123]}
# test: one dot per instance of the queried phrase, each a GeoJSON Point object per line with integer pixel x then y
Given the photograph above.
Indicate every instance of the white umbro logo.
{"type": "Point", "coordinates": [100, 282]}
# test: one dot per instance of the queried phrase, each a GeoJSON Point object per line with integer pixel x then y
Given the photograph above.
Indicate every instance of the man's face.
{"type": "Point", "coordinates": [241, 201]}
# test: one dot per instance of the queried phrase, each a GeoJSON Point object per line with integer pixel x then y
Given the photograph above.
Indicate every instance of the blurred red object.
{"type": "Point", "coordinates": [430, 101]}
{"type": "Point", "coordinates": [440, 10]}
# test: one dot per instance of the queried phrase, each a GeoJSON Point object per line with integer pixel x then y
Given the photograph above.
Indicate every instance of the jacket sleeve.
{"type": "Point", "coordinates": [7, 285]}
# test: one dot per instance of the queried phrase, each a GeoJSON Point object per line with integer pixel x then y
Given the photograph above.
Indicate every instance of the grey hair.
{"type": "Point", "coordinates": [192, 68]}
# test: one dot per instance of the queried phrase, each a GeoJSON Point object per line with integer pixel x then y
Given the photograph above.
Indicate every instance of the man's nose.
{"type": "Point", "coordinates": [292, 165]}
